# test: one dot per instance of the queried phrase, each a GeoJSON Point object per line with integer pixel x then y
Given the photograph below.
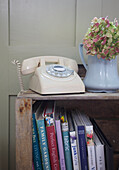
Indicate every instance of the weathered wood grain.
{"type": "Point", "coordinates": [105, 113]}
{"type": "Point", "coordinates": [116, 161]}
{"type": "Point", "coordinates": [23, 134]}
{"type": "Point", "coordinates": [84, 96]}
{"type": "Point", "coordinates": [103, 109]}
{"type": "Point", "coordinates": [111, 130]}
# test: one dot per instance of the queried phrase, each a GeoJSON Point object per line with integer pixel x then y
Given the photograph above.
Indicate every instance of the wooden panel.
{"type": "Point", "coordinates": [78, 96]}
{"type": "Point", "coordinates": [111, 131]}
{"type": "Point", "coordinates": [45, 40]}
{"type": "Point", "coordinates": [42, 22]}
{"type": "Point", "coordinates": [4, 85]}
{"type": "Point", "coordinates": [86, 11]}
{"type": "Point", "coordinates": [110, 10]}
{"type": "Point", "coordinates": [97, 109]}
{"type": "Point", "coordinates": [23, 134]}
{"type": "Point", "coordinates": [116, 161]}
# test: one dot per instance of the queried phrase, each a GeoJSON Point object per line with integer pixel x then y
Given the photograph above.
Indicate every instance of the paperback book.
{"type": "Point", "coordinates": [81, 140]}
{"type": "Point", "coordinates": [59, 139]}
{"type": "Point", "coordinates": [66, 139]}
{"type": "Point", "coordinates": [43, 137]}
{"type": "Point", "coordinates": [90, 140]}
{"type": "Point", "coordinates": [51, 135]}
{"type": "Point", "coordinates": [73, 142]}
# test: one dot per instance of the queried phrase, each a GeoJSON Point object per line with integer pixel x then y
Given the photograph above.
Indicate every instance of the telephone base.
{"type": "Point", "coordinates": [43, 83]}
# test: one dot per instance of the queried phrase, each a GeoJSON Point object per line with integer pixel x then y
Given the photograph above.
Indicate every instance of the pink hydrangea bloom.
{"type": "Point", "coordinates": [104, 42]}
{"type": "Point", "coordinates": [102, 38]}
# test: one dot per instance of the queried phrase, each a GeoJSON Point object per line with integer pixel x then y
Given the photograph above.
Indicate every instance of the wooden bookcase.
{"type": "Point", "coordinates": [104, 107]}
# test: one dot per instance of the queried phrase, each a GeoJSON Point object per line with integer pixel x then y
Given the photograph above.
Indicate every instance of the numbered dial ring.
{"type": "Point", "coordinates": [59, 71]}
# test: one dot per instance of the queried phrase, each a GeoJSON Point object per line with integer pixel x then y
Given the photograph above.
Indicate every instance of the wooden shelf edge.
{"type": "Point", "coordinates": [84, 96]}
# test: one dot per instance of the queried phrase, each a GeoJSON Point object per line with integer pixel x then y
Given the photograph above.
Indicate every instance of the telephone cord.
{"type": "Point", "coordinates": [18, 64]}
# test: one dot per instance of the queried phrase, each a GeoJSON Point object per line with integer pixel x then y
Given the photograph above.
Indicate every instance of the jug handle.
{"type": "Point", "coordinates": [81, 55]}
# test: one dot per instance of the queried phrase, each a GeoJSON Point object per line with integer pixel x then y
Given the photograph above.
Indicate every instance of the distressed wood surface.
{"type": "Point", "coordinates": [116, 161]}
{"type": "Point", "coordinates": [111, 130]}
{"type": "Point", "coordinates": [105, 112]}
{"type": "Point", "coordinates": [101, 109]}
{"type": "Point", "coordinates": [84, 96]}
{"type": "Point", "coordinates": [23, 134]}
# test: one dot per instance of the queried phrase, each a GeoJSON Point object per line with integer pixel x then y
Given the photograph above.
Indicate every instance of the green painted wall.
{"type": "Point", "coordinates": [32, 28]}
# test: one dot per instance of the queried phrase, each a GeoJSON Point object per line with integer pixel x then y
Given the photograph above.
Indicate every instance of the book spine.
{"type": "Point", "coordinates": [35, 146]}
{"type": "Point", "coordinates": [74, 150]}
{"type": "Point", "coordinates": [91, 158]}
{"type": "Point", "coordinates": [90, 148]}
{"type": "Point", "coordinates": [67, 150]}
{"type": "Point", "coordinates": [82, 147]}
{"type": "Point", "coordinates": [100, 157]}
{"type": "Point", "coordinates": [52, 145]}
{"type": "Point", "coordinates": [43, 145]}
{"type": "Point", "coordinates": [108, 150]}
{"type": "Point", "coordinates": [60, 145]}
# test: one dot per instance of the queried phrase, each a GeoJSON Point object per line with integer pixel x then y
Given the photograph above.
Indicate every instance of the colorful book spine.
{"type": "Point", "coordinates": [81, 140]}
{"type": "Point", "coordinates": [60, 144]}
{"type": "Point", "coordinates": [43, 145]}
{"type": "Point", "coordinates": [73, 142]}
{"type": "Point", "coordinates": [35, 146]}
{"type": "Point", "coordinates": [52, 145]}
{"type": "Point", "coordinates": [82, 147]}
{"type": "Point", "coordinates": [67, 148]}
{"type": "Point", "coordinates": [90, 141]}
{"type": "Point", "coordinates": [51, 135]}
{"type": "Point", "coordinates": [74, 150]}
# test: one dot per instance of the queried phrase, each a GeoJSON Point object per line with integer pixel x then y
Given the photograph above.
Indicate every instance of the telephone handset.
{"type": "Point", "coordinates": [53, 75]}
{"type": "Point", "coordinates": [30, 65]}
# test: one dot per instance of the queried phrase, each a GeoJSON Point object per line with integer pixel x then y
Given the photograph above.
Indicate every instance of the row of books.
{"type": "Point", "coordinates": [67, 140]}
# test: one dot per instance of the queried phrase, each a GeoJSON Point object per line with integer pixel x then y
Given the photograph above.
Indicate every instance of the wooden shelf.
{"type": "Point", "coordinates": [105, 114]}
{"type": "Point", "coordinates": [85, 96]}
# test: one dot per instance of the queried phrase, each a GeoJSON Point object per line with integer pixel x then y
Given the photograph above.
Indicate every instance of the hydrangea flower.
{"type": "Point", "coordinates": [102, 38]}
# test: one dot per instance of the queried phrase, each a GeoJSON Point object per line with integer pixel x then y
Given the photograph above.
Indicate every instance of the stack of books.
{"type": "Point", "coordinates": [67, 140]}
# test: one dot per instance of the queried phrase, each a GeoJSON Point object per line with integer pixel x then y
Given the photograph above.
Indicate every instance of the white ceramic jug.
{"type": "Point", "coordinates": [101, 74]}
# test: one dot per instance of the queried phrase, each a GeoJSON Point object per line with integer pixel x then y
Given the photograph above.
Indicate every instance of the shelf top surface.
{"type": "Point", "coordinates": [84, 96]}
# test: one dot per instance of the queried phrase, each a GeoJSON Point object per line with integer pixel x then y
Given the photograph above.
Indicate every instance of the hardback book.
{"type": "Point", "coordinates": [66, 139]}
{"type": "Point", "coordinates": [37, 163]}
{"type": "Point", "coordinates": [73, 142]}
{"type": "Point", "coordinates": [43, 137]}
{"type": "Point", "coordinates": [108, 150]}
{"type": "Point", "coordinates": [81, 140]}
{"type": "Point", "coordinates": [59, 139]}
{"type": "Point", "coordinates": [99, 150]}
{"type": "Point", "coordinates": [90, 140]}
{"type": "Point", "coordinates": [51, 135]}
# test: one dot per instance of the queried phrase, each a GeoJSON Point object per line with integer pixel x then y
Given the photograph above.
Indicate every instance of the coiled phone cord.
{"type": "Point", "coordinates": [18, 64]}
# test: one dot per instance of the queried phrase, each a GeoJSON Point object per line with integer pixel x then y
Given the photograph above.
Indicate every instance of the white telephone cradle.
{"type": "Point", "coordinates": [59, 78]}
{"type": "Point", "coordinates": [51, 83]}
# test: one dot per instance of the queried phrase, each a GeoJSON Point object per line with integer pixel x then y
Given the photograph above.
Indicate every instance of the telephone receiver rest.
{"type": "Point", "coordinates": [30, 65]}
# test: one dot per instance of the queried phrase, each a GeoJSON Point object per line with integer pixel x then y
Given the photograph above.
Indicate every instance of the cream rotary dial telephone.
{"type": "Point", "coordinates": [53, 75]}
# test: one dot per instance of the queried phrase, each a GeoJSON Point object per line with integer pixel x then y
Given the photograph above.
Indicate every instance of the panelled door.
{"type": "Point", "coordinates": [31, 28]}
